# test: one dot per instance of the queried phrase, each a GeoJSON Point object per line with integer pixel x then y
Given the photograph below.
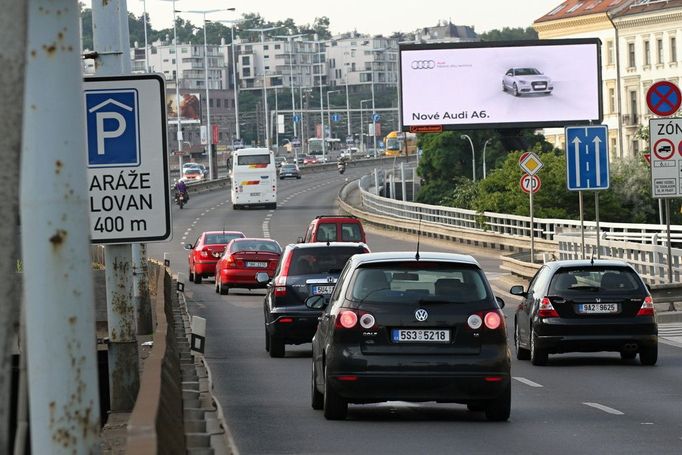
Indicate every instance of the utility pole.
{"type": "Point", "coordinates": [110, 40]}
{"type": "Point", "coordinates": [60, 315]}
{"type": "Point", "coordinates": [12, 30]}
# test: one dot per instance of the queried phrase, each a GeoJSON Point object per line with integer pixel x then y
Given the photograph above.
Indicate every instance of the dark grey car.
{"type": "Point", "coordinates": [289, 171]}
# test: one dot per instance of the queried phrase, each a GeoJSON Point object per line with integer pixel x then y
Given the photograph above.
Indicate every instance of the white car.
{"type": "Point", "coordinates": [522, 81]}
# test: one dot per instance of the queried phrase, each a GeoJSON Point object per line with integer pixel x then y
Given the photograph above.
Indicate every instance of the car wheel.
{"type": "Point", "coordinates": [499, 409]}
{"type": "Point", "coordinates": [316, 398]}
{"type": "Point", "coordinates": [267, 340]}
{"type": "Point", "coordinates": [335, 407]}
{"type": "Point", "coordinates": [222, 290]}
{"type": "Point", "coordinates": [276, 347]}
{"type": "Point", "coordinates": [628, 355]}
{"type": "Point", "coordinates": [537, 356]}
{"type": "Point", "coordinates": [516, 90]}
{"type": "Point", "coordinates": [649, 355]}
{"type": "Point", "coordinates": [235, 207]}
{"type": "Point", "coordinates": [197, 278]}
{"type": "Point", "coordinates": [191, 275]}
{"type": "Point", "coordinates": [298, 178]}
{"type": "Point", "coordinates": [521, 353]}
{"type": "Point", "coordinates": [217, 289]}
{"type": "Point", "coordinates": [476, 407]}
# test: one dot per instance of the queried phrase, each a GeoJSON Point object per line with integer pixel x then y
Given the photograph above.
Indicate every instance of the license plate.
{"type": "Point", "coordinates": [420, 336]}
{"type": "Point", "coordinates": [261, 265]}
{"type": "Point", "coordinates": [598, 308]}
{"type": "Point", "coordinates": [326, 289]}
{"type": "Point", "coordinates": [254, 194]}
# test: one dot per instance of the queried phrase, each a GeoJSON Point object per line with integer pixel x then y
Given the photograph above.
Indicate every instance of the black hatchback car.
{"type": "Point", "coordinates": [398, 327]}
{"type": "Point", "coordinates": [304, 269]}
{"type": "Point", "coordinates": [585, 306]}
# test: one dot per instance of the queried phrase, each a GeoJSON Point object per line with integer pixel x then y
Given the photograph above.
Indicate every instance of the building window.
{"type": "Point", "coordinates": [633, 106]}
{"type": "Point", "coordinates": [647, 53]}
{"type": "Point", "coordinates": [217, 102]}
{"type": "Point", "coordinates": [266, 47]}
{"type": "Point", "coordinates": [659, 51]}
{"type": "Point", "coordinates": [612, 100]}
{"type": "Point", "coordinates": [609, 52]}
{"type": "Point", "coordinates": [210, 102]}
{"type": "Point", "coordinates": [631, 55]}
{"type": "Point", "coordinates": [673, 49]}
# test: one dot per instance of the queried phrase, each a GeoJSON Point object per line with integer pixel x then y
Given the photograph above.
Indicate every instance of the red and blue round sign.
{"type": "Point", "coordinates": [664, 98]}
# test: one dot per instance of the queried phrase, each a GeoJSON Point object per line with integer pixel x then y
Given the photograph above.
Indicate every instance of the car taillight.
{"type": "Point", "coordinates": [230, 262]}
{"type": "Point", "coordinates": [205, 253]}
{"type": "Point", "coordinates": [546, 309]}
{"type": "Point", "coordinates": [280, 286]}
{"type": "Point", "coordinates": [346, 319]}
{"type": "Point", "coordinates": [355, 319]}
{"type": "Point", "coordinates": [647, 308]}
{"type": "Point", "coordinates": [491, 319]}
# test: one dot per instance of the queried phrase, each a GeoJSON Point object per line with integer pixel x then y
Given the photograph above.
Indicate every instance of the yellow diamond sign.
{"type": "Point", "coordinates": [530, 163]}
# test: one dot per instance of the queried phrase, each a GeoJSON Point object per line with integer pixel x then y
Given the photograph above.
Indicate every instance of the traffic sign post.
{"type": "Point", "coordinates": [128, 183]}
{"type": "Point", "coordinates": [530, 182]}
{"type": "Point", "coordinates": [531, 164]}
{"type": "Point", "coordinates": [587, 158]}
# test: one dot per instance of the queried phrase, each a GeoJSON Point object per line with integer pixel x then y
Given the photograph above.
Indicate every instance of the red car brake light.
{"type": "Point", "coordinates": [647, 308]}
{"type": "Point", "coordinates": [546, 309]}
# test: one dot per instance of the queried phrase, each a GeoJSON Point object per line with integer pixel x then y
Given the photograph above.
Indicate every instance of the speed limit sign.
{"type": "Point", "coordinates": [530, 181]}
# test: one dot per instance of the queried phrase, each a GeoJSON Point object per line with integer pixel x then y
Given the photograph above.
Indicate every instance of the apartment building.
{"type": "Point", "coordinates": [639, 47]}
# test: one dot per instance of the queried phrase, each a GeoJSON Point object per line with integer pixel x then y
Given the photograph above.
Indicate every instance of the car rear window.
{"type": "Point", "coordinates": [256, 245]}
{"type": "Point", "coordinates": [595, 279]}
{"type": "Point", "coordinates": [350, 232]}
{"type": "Point", "coordinates": [222, 238]}
{"type": "Point", "coordinates": [326, 232]}
{"type": "Point", "coordinates": [322, 260]}
{"type": "Point", "coordinates": [409, 282]}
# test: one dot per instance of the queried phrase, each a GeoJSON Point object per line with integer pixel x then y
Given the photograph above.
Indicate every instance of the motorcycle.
{"type": "Point", "coordinates": [180, 199]}
{"type": "Point", "coordinates": [341, 168]}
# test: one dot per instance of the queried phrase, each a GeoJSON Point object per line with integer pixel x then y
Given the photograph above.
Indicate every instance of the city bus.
{"type": "Point", "coordinates": [398, 143]}
{"type": "Point", "coordinates": [254, 178]}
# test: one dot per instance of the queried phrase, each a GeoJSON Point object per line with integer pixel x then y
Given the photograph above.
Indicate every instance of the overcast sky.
{"type": "Point", "coordinates": [365, 16]}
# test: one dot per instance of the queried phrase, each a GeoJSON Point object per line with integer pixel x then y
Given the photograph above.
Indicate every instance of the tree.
{"type": "Point", "coordinates": [509, 34]}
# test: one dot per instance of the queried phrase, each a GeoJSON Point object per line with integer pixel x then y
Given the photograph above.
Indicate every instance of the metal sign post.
{"type": "Point", "coordinates": [530, 163]}
{"type": "Point", "coordinates": [532, 229]}
{"type": "Point", "coordinates": [670, 252]}
{"type": "Point", "coordinates": [596, 216]}
{"type": "Point", "coordinates": [582, 225]}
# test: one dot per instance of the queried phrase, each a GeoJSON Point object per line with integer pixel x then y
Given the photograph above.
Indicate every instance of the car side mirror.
{"type": "Point", "coordinates": [262, 277]}
{"type": "Point", "coordinates": [188, 246]}
{"type": "Point", "coordinates": [300, 240]}
{"type": "Point", "coordinates": [518, 290]}
{"type": "Point", "coordinates": [316, 302]}
{"type": "Point", "coordinates": [499, 301]}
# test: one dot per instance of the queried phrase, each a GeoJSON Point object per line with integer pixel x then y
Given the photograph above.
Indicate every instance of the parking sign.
{"type": "Point", "coordinates": [127, 159]}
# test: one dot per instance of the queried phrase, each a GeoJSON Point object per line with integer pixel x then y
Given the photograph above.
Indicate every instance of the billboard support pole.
{"type": "Point", "coordinates": [596, 215]}
{"type": "Point", "coordinates": [670, 253]}
{"type": "Point", "coordinates": [582, 225]}
{"type": "Point", "coordinates": [532, 223]}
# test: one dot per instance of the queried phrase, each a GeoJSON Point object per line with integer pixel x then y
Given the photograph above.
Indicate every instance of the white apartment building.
{"type": "Point", "coordinates": [639, 47]}
{"type": "Point", "coordinates": [362, 60]}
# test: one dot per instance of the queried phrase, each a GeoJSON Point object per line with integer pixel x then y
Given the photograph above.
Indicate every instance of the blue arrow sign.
{"type": "Point", "coordinates": [587, 158]}
{"type": "Point", "coordinates": [296, 118]}
{"type": "Point", "coordinates": [376, 117]}
{"type": "Point", "coordinates": [336, 117]}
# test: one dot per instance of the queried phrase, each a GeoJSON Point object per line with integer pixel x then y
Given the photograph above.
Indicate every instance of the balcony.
{"type": "Point", "coordinates": [631, 120]}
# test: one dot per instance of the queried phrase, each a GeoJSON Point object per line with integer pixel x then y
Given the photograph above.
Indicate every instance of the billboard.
{"type": "Point", "coordinates": [190, 108]}
{"type": "Point", "coordinates": [500, 84]}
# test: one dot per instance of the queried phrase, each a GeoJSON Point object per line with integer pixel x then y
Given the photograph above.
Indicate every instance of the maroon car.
{"type": "Point", "coordinates": [205, 252]}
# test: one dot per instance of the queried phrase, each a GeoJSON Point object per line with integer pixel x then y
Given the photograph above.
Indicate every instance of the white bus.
{"type": "Point", "coordinates": [254, 178]}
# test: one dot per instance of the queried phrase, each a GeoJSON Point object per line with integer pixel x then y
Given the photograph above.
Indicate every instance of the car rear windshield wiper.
{"type": "Point", "coordinates": [434, 300]}
{"type": "Point", "coordinates": [584, 288]}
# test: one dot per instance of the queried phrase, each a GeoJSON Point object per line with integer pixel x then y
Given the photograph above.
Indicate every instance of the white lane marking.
{"type": "Point", "coordinates": [601, 407]}
{"type": "Point", "coordinates": [197, 219]}
{"type": "Point", "coordinates": [528, 382]}
{"type": "Point", "coordinates": [184, 238]}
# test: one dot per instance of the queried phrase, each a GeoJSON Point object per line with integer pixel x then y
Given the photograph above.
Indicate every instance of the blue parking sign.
{"type": "Point", "coordinates": [112, 119]}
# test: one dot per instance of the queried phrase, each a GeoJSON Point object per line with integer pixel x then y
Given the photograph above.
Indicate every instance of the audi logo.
{"type": "Point", "coordinates": [423, 64]}
{"type": "Point", "coordinates": [421, 315]}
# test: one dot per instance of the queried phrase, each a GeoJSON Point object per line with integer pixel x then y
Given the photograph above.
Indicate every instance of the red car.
{"type": "Point", "coordinates": [334, 228]}
{"type": "Point", "coordinates": [310, 159]}
{"type": "Point", "coordinates": [244, 258]}
{"type": "Point", "coordinates": [205, 252]}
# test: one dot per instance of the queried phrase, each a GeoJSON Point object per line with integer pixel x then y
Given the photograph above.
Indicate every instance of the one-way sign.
{"type": "Point", "coordinates": [587, 158]}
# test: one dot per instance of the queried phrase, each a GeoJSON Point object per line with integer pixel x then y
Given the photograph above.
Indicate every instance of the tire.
{"type": "Point", "coordinates": [276, 347]}
{"type": "Point", "coordinates": [267, 340]}
{"type": "Point", "coordinates": [499, 409]}
{"type": "Point", "coordinates": [316, 398]}
{"type": "Point", "coordinates": [476, 407]}
{"type": "Point", "coordinates": [628, 355]}
{"type": "Point", "coordinates": [190, 274]}
{"type": "Point", "coordinates": [217, 290]}
{"type": "Point", "coordinates": [222, 290]}
{"type": "Point", "coordinates": [335, 407]}
{"type": "Point", "coordinates": [197, 278]}
{"type": "Point", "coordinates": [648, 356]}
{"type": "Point", "coordinates": [516, 90]}
{"type": "Point", "coordinates": [235, 207]}
{"type": "Point", "coordinates": [298, 178]}
{"type": "Point", "coordinates": [521, 353]}
{"type": "Point", "coordinates": [538, 356]}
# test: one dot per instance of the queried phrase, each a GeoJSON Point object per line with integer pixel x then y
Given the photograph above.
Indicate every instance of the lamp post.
{"type": "Point", "coordinates": [362, 123]}
{"type": "Point", "coordinates": [265, 92]}
{"type": "Point", "coordinates": [209, 131]}
{"type": "Point", "coordinates": [146, 46]}
{"type": "Point", "coordinates": [234, 78]}
{"type": "Point", "coordinates": [485, 144]}
{"type": "Point", "coordinates": [291, 80]}
{"type": "Point", "coordinates": [324, 139]}
{"type": "Point", "coordinates": [473, 155]}
{"type": "Point", "coordinates": [329, 110]}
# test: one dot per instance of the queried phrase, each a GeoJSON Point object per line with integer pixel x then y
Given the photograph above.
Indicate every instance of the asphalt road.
{"type": "Point", "coordinates": [579, 404]}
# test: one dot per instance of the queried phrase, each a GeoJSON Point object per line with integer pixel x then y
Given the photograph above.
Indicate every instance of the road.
{"type": "Point", "coordinates": [580, 403]}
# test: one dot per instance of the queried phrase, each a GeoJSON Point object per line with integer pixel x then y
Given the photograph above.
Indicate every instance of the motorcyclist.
{"type": "Point", "coordinates": [181, 188]}
{"type": "Point", "coordinates": [341, 165]}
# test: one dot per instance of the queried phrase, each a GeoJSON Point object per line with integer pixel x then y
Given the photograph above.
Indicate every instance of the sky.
{"type": "Point", "coordinates": [372, 17]}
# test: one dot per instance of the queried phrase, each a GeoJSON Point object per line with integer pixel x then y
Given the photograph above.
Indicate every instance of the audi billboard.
{"type": "Point", "coordinates": [540, 83]}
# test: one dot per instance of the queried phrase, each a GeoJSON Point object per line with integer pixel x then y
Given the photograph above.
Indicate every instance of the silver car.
{"type": "Point", "coordinates": [526, 80]}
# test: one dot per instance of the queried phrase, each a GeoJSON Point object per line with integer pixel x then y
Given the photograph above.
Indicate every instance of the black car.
{"type": "Point", "coordinates": [585, 306]}
{"type": "Point", "coordinates": [400, 327]}
{"type": "Point", "coordinates": [289, 171]}
{"type": "Point", "coordinates": [304, 269]}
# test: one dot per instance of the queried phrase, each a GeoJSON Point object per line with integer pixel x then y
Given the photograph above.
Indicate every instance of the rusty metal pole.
{"type": "Point", "coordinates": [111, 43]}
{"type": "Point", "coordinates": [60, 315]}
{"type": "Point", "coordinates": [143, 305]}
{"type": "Point", "coordinates": [12, 56]}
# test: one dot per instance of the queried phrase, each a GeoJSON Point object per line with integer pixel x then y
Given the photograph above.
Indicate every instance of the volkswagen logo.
{"type": "Point", "coordinates": [423, 64]}
{"type": "Point", "coordinates": [421, 315]}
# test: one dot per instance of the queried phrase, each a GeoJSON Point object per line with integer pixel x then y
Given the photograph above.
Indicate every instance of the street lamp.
{"type": "Point", "coordinates": [473, 155]}
{"type": "Point", "coordinates": [146, 46]}
{"type": "Point", "coordinates": [177, 84]}
{"type": "Point", "coordinates": [265, 93]}
{"type": "Point", "coordinates": [291, 81]}
{"type": "Point", "coordinates": [209, 132]}
{"type": "Point", "coordinates": [329, 110]}
{"type": "Point", "coordinates": [234, 78]}
{"type": "Point", "coordinates": [485, 144]}
{"type": "Point", "coordinates": [362, 123]}
{"type": "Point", "coordinates": [320, 61]}
{"type": "Point", "coordinates": [349, 133]}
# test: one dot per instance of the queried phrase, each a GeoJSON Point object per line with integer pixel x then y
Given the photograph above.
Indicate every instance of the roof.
{"type": "Point", "coordinates": [647, 6]}
{"type": "Point", "coordinates": [328, 244]}
{"type": "Point", "coordinates": [588, 263]}
{"type": "Point", "coordinates": [222, 232]}
{"type": "Point", "coordinates": [576, 8]}
{"type": "Point", "coordinates": [392, 256]}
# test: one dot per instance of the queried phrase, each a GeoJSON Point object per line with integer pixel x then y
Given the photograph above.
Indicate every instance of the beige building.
{"type": "Point", "coordinates": [639, 47]}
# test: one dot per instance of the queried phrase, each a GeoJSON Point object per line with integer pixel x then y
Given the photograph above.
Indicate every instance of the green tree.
{"type": "Point", "coordinates": [509, 34]}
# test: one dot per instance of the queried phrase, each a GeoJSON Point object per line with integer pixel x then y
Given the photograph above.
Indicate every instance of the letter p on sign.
{"type": "Point", "coordinates": [112, 119]}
